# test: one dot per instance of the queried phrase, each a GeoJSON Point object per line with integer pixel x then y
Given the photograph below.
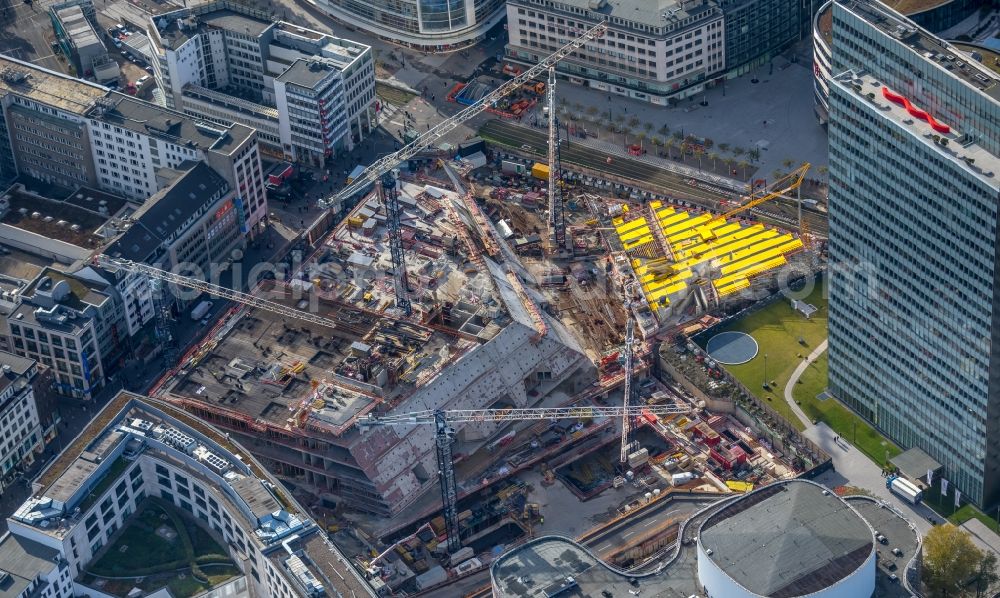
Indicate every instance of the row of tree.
{"type": "Point", "coordinates": [738, 158]}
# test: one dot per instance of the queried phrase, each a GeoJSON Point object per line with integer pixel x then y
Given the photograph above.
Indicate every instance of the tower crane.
{"type": "Point", "coordinates": [794, 178]}
{"type": "Point", "coordinates": [400, 281]}
{"type": "Point", "coordinates": [627, 399]}
{"type": "Point", "coordinates": [387, 163]}
{"type": "Point", "coordinates": [442, 419]}
{"type": "Point", "coordinates": [557, 220]}
{"type": "Point", "coordinates": [215, 290]}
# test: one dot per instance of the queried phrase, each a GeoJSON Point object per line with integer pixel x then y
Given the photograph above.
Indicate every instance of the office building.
{"type": "Point", "coordinates": [80, 42]}
{"type": "Point", "coordinates": [914, 191]}
{"type": "Point", "coordinates": [71, 133]}
{"type": "Point", "coordinates": [938, 17]}
{"type": "Point", "coordinates": [139, 452]}
{"type": "Point", "coordinates": [71, 324]}
{"type": "Point", "coordinates": [659, 52]}
{"type": "Point", "coordinates": [425, 25]}
{"type": "Point", "coordinates": [21, 434]}
{"type": "Point", "coordinates": [44, 133]}
{"type": "Point", "coordinates": [190, 227]}
{"type": "Point", "coordinates": [229, 63]}
{"type": "Point", "coordinates": [650, 52]}
{"type": "Point", "coordinates": [139, 148]}
{"type": "Point", "coordinates": [758, 30]}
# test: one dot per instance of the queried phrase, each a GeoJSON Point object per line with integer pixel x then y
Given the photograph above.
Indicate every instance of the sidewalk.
{"type": "Point", "coordinates": [794, 379]}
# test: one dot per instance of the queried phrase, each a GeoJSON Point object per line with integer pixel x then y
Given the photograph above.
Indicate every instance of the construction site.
{"type": "Point", "coordinates": [481, 320]}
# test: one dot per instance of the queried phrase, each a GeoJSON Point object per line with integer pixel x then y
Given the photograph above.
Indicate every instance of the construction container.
{"type": "Point", "coordinates": [638, 458]}
{"type": "Point", "coordinates": [511, 167]}
{"type": "Point", "coordinates": [461, 554]}
{"type": "Point", "coordinates": [540, 171]}
{"type": "Point", "coordinates": [431, 577]}
{"type": "Point", "coordinates": [471, 146]}
{"type": "Point", "coordinates": [679, 479]}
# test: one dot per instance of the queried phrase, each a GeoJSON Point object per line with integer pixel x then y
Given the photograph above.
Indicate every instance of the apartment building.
{"type": "Point", "coordinates": [229, 63]}
{"type": "Point", "coordinates": [914, 195]}
{"type": "Point", "coordinates": [139, 448]}
{"type": "Point", "coordinates": [21, 434]}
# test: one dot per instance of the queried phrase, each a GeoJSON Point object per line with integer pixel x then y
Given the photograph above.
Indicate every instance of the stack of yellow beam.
{"type": "Point", "coordinates": [632, 233]}
{"type": "Point", "coordinates": [740, 252]}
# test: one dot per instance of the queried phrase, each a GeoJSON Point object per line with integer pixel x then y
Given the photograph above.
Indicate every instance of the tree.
{"type": "Point", "coordinates": [708, 143]}
{"type": "Point", "coordinates": [787, 163]}
{"type": "Point", "coordinates": [633, 122]}
{"type": "Point", "coordinates": [656, 140]}
{"type": "Point", "coordinates": [744, 165]}
{"type": "Point", "coordinates": [713, 157]}
{"type": "Point", "coordinates": [592, 110]}
{"type": "Point", "coordinates": [730, 161]}
{"type": "Point", "coordinates": [724, 147]}
{"type": "Point", "coordinates": [739, 151]}
{"type": "Point", "coordinates": [664, 130]}
{"type": "Point", "coordinates": [669, 144]}
{"type": "Point", "coordinates": [699, 151]}
{"type": "Point", "coordinates": [648, 126]}
{"type": "Point", "coordinates": [988, 578]}
{"type": "Point", "coordinates": [950, 559]}
{"type": "Point", "coordinates": [823, 171]}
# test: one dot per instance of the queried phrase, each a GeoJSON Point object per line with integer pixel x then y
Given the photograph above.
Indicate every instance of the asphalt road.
{"type": "Point", "coordinates": [534, 142]}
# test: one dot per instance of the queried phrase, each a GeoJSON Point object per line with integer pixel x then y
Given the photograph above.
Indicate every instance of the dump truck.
{"type": "Point", "coordinates": [540, 171]}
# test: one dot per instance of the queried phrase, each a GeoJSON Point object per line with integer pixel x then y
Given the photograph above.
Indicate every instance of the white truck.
{"type": "Point", "coordinates": [904, 489]}
{"type": "Point", "coordinates": [201, 310]}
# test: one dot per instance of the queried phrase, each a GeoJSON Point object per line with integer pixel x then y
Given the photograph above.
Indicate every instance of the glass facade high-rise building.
{"type": "Point", "coordinates": [914, 135]}
{"type": "Point", "coordinates": [428, 25]}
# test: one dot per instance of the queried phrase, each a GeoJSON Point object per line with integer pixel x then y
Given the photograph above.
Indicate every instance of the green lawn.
{"type": "Point", "coordinates": [841, 420]}
{"type": "Point", "coordinates": [945, 506]}
{"type": "Point", "coordinates": [138, 550]}
{"type": "Point", "coordinates": [143, 547]}
{"type": "Point", "coordinates": [777, 329]}
{"type": "Point", "coordinates": [396, 97]}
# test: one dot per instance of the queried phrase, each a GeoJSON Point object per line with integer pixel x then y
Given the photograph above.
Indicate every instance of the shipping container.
{"type": "Point", "coordinates": [540, 171]}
